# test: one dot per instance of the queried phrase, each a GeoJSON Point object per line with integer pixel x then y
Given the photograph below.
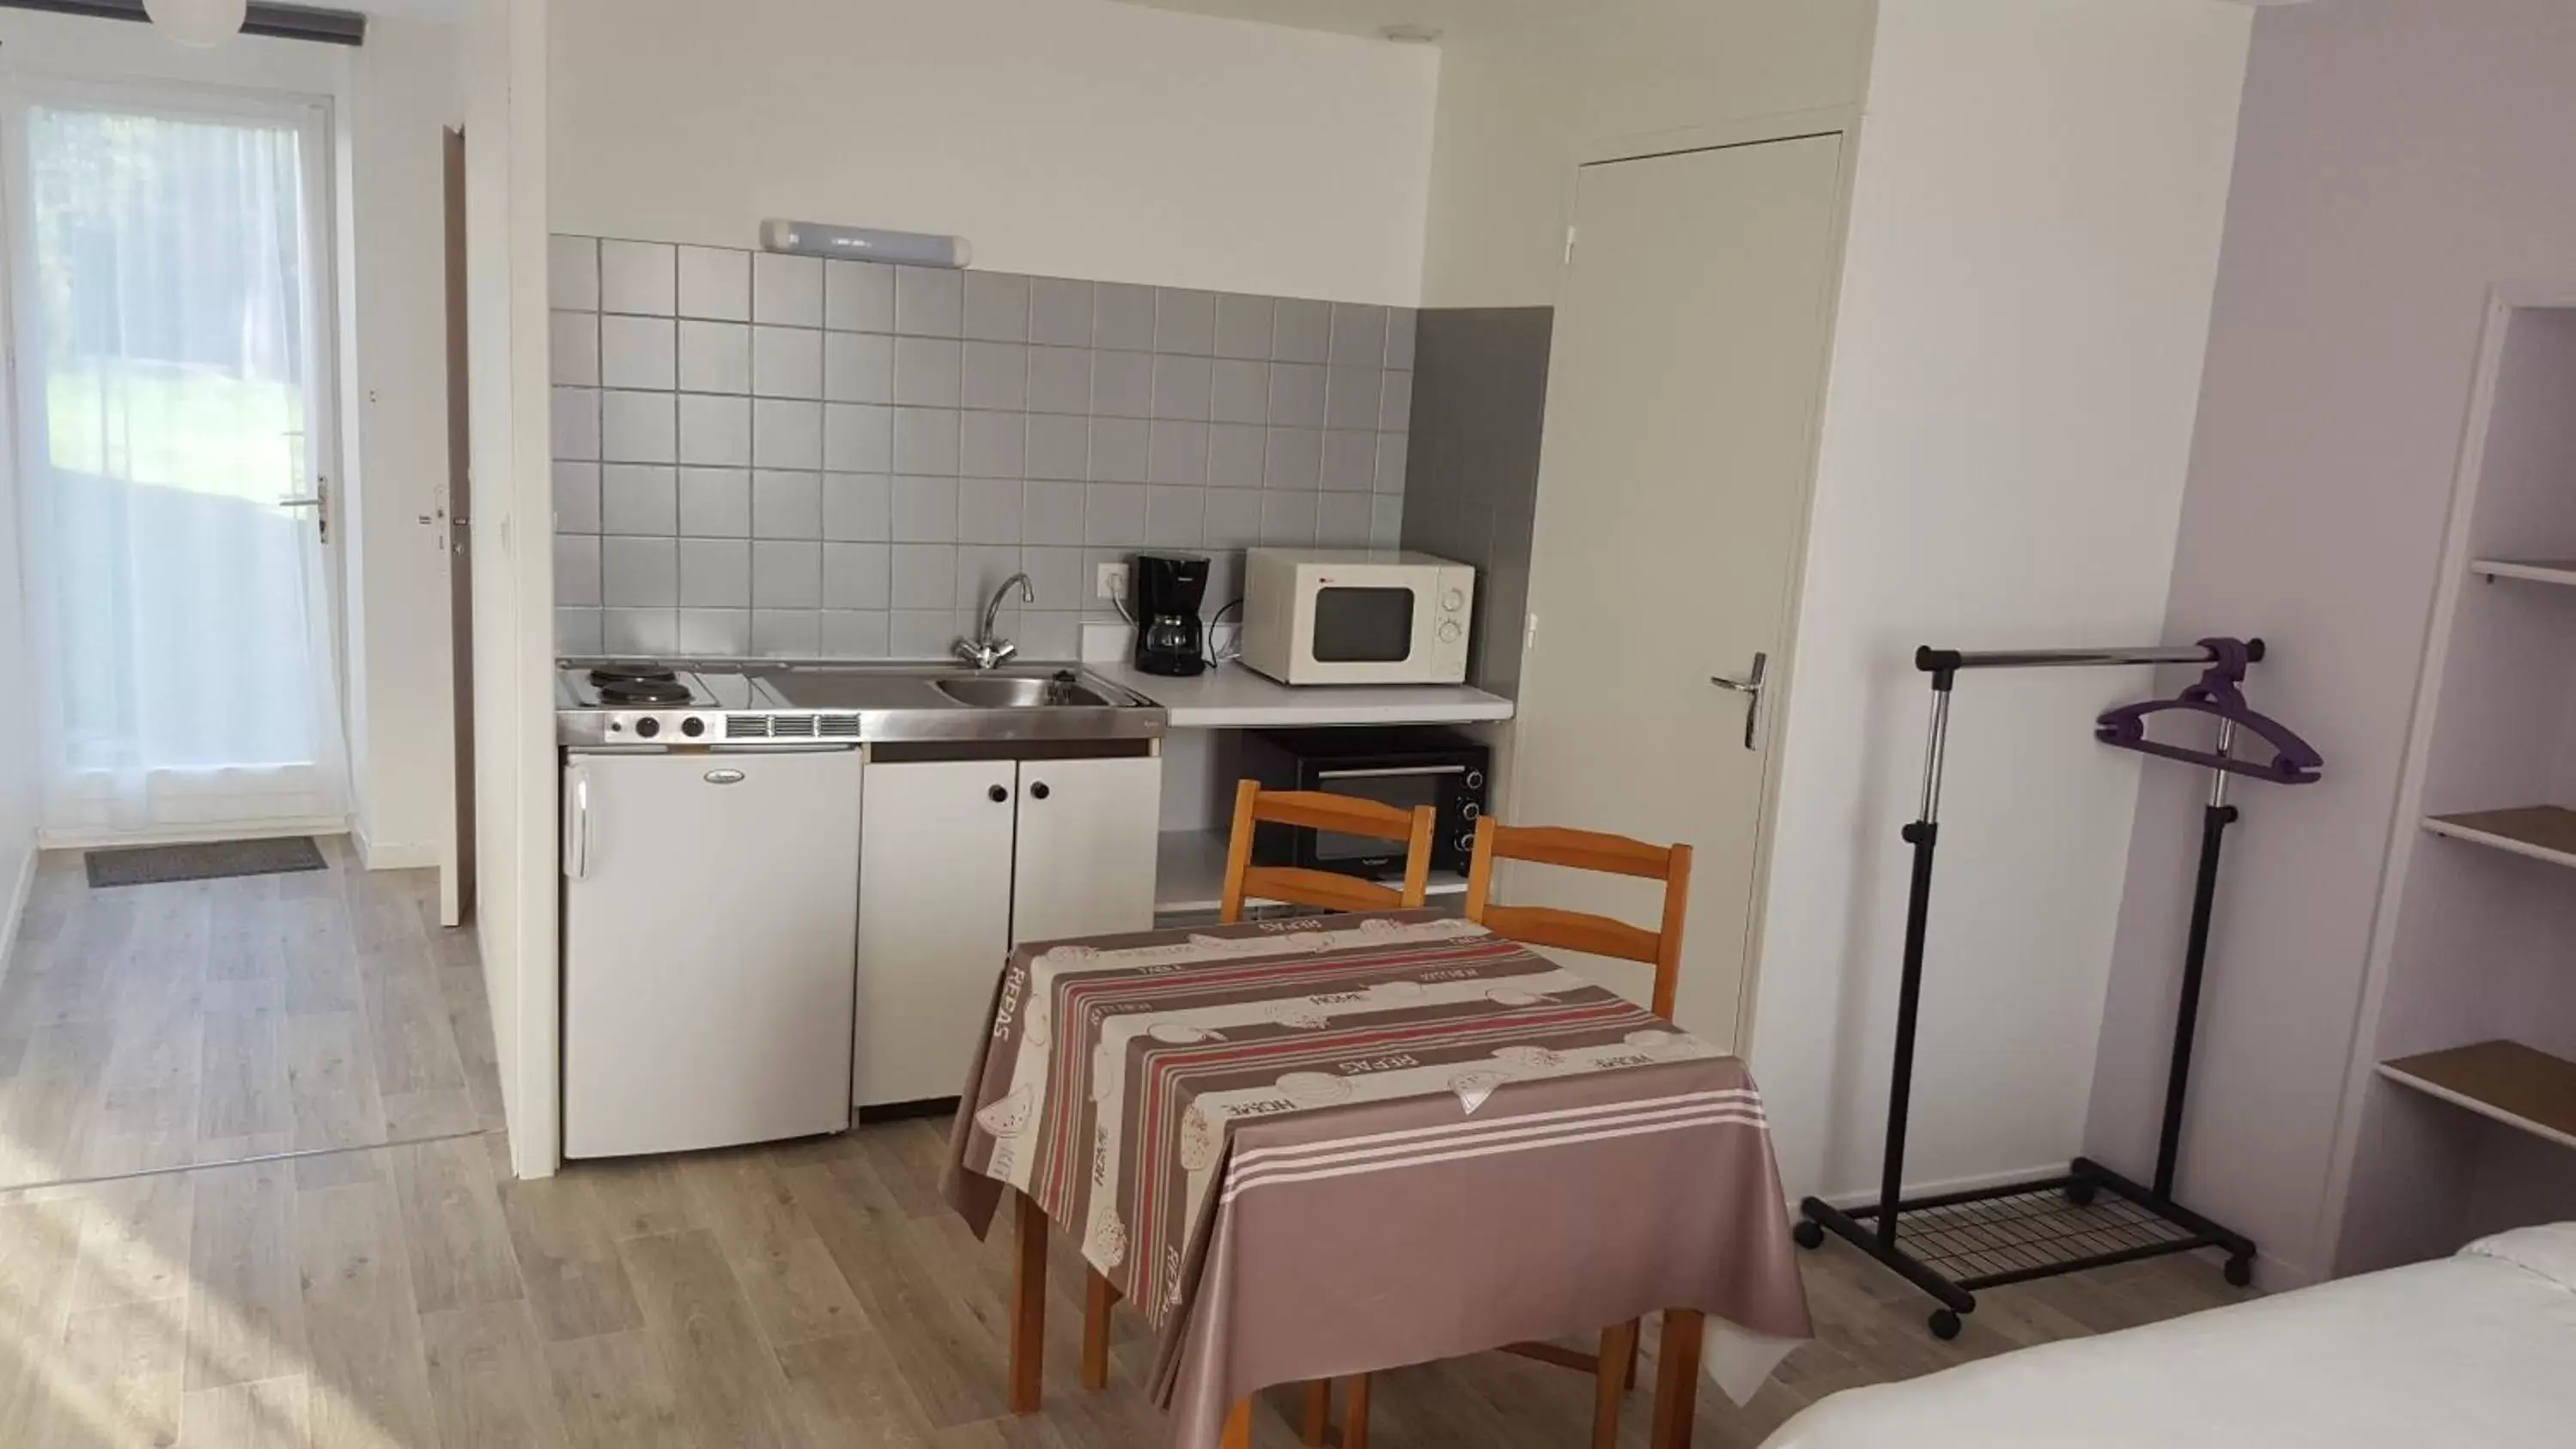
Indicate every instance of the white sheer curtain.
{"type": "Point", "coordinates": [170, 304]}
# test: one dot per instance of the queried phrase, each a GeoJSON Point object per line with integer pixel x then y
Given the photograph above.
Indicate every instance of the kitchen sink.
{"type": "Point", "coordinates": [990, 691]}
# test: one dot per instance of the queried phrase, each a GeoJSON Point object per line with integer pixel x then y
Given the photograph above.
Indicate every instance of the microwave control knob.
{"type": "Point", "coordinates": [1449, 631]}
{"type": "Point", "coordinates": [1452, 601]}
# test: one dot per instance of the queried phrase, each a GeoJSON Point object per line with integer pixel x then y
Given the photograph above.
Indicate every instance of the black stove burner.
{"type": "Point", "coordinates": [615, 674]}
{"type": "Point", "coordinates": [644, 691]}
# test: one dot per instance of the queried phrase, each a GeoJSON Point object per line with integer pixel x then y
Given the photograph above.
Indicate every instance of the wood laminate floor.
{"type": "Point", "coordinates": [811, 1294]}
{"type": "Point", "coordinates": [197, 1022]}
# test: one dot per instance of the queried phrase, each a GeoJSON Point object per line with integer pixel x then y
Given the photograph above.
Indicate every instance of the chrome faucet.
{"type": "Point", "coordinates": [984, 651]}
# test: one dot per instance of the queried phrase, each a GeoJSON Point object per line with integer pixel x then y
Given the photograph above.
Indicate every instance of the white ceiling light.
{"type": "Point", "coordinates": [199, 23]}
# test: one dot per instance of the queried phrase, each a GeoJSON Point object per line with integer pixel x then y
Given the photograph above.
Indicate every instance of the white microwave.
{"type": "Point", "coordinates": [1356, 616]}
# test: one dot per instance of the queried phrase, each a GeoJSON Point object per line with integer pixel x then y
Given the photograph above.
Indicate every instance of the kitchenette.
{"type": "Point", "coordinates": [790, 883]}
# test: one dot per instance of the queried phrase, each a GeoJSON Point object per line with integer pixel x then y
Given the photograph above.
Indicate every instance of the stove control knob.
{"type": "Point", "coordinates": [648, 727]}
{"type": "Point", "coordinates": [693, 727]}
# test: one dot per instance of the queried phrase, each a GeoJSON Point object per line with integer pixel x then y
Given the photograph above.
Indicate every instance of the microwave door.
{"type": "Point", "coordinates": [1361, 631]}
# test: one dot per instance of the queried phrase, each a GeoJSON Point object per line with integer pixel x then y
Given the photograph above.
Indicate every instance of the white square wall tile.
{"type": "Point", "coordinates": [572, 351]}
{"type": "Point", "coordinates": [575, 419]}
{"type": "Point", "coordinates": [715, 283]}
{"type": "Point", "coordinates": [715, 357]}
{"type": "Point", "coordinates": [638, 277]}
{"type": "Point", "coordinates": [572, 273]}
{"type": "Point", "coordinates": [786, 362]}
{"type": "Point", "coordinates": [638, 352]}
{"type": "Point", "coordinates": [858, 438]}
{"type": "Point", "coordinates": [715, 432]}
{"type": "Point", "coordinates": [786, 291]}
{"type": "Point", "coordinates": [576, 570]}
{"type": "Point", "coordinates": [576, 497]}
{"type": "Point", "coordinates": [786, 575]}
{"type": "Point", "coordinates": [786, 633]}
{"type": "Point", "coordinates": [577, 632]}
{"type": "Point", "coordinates": [715, 573]}
{"type": "Point", "coordinates": [858, 296]}
{"type": "Point", "coordinates": [651, 633]}
{"type": "Point", "coordinates": [787, 434]}
{"type": "Point", "coordinates": [715, 503]}
{"type": "Point", "coordinates": [858, 367]}
{"type": "Point", "coordinates": [715, 633]}
{"type": "Point", "coordinates": [637, 427]}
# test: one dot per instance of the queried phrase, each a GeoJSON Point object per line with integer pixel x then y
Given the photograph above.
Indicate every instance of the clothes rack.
{"type": "Point", "coordinates": [1951, 1245]}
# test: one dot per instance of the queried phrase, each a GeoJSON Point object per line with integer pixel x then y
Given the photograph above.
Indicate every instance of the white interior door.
{"type": "Point", "coordinates": [171, 300]}
{"type": "Point", "coordinates": [1085, 856]}
{"type": "Point", "coordinates": [1683, 389]}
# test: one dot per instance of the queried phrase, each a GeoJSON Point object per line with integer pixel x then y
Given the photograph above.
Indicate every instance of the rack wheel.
{"type": "Point", "coordinates": [2080, 1193]}
{"type": "Point", "coordinates": [2239, 1272]}
{"type": "Point", "coordinates": [1945, 1324]}
{"type": "Point", "coordinates": [1808, 1235]}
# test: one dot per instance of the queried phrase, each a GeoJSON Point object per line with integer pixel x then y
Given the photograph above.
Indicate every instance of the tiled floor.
{"type": "Point", "coordinates": [811, 1294]}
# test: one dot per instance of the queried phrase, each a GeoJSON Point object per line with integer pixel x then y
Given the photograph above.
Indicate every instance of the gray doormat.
{"type": "Point", "coordinates": [155, 864]}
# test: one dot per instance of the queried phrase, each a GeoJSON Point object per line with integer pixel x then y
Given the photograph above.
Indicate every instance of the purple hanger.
{"type": "Point", "coordinates": [2294, 761]}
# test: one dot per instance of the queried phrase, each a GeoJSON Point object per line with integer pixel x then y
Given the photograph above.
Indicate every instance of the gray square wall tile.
{"type": "Point", "coordinates": [572, 345]}
{"type": "Point", "coordinates": [858, 296]}
{"type": "Point", "coordinates": [925, 577]}
{"type": "Point", "coordinates": [575, 423]}
{"type": "Point", "coordinates": [926, 371]}
{"type": "Point", "coordinates": [1301, 331]}
{"type": "Point", "coordinates": [577, 570]}
{"type": "Point", "coordinates": [786, 291]}
{"type": "Point", "coordinates": [715, 633]}
{"type": "Point", "coordinates": [1234, 455]}
{"type": "Point", "coordinates": [929, 301]}
{"type": "Point", "coordinates": [1296, 395]}
{"type": "Point", "coordinates": [1122, 316]}
{"type": "Point", "coordinates": [787, 362]}
{"type": "Point", "coordinates": [1239, 392]}
{"type": "Point", "coordinates": [715, 432]}
{"type": "Point", "coordinates": [1177, 453]}
{"type": "Point", "coordinates": [1350, 462]}
{"type": "Point", "coordinates": [1184, 321]}
{"type": "Point", "coordinates": [1051, 513]}
{"type": "Point", "coordinates": [857, 576]}
{"type": "Point", "coordinates": [715, 573]}
{"type": "Point", "coordinates": [638, 277]}
{"type": "Point", "coordinates": [1351, 397]}
{"type": "Point", "coordinates": [715, 357]}
{"type": "Point", "coordinates": [921, 633]}
{"type": "Point", "coordinates": [638, 427]}
{"type": "Point", "coordinates": [992, 444]}
{"type": "Point", "coordinates": [858, 367]}
{"type": "Point", "coordinates": [1114, 515]}
{"type": "Point", "coordinates": [858, 438]}
{"type": "Point", "coordinates": [653, 633]}
{"type": "Point", "coordinates": [995, 375]}
{"type": "Point", "coordinates": [1060, 312]}
{"type": "Point", "coordinates": [576, 497]}
{"type": "Point", "coordinates": [854, 634]}
{"type": "Point", "coordinates": [1118, 450]}
{"type": "Point", "coordinates": [1175, 517]}
{"type": "Point", "coordinates": [1232, 518]}
{"type": "Point", "coordinates": [1359, 335]}
{"type": "Point", "coordinates": [572, 273]}
{"type": "Point", "coordinates": [1386, 521]}
{"type": "Point", "coordinates": [715, 283]}
{"type": "Point", "coordinates": [1243, 326]}
{"type": "Point", "coordinates": [1342, 520]}
{"type": "Point", "coordinates": [786, 434]}
{"type": "Point", "coordinates": [786, 505]}
{"type": "Point", "coordinates": [925, 441]}
{"type": "Point", "coordinates": [1293, 460]}
{"type": "Point", "coordinates": [639, 499]}
{"type": "Point", "coordinates": [1058, 447]}
{"type": "Point", "coordinates": [786, 575]}
{"type": "Point", "coordinates": [858, 507]}
{"type": "Point", "coordinates": [1395, 403]}
{"type": "Point", "coordinates": [577, 632]}
{"type": "Point", "coordinates": [1182, 387]}
{"type": "Point", "coordinates": [1059, 380]}
{"type": "Point", "coordinates": [786, 633]}
{"type": "Point", "coordinates": [1288, 519]}
{"type": "Point", "coordinates": [1392, 450]}
{"type": "Point", "coordinates": [925, 510]}
{"type": "Point", "coordinates": [988, 510]}
{"type": "Point", "coordinates": [639, 573]}
{"type": "Point", "coordinates": [1400, 324]}
{"type": "Point", "coordinates": [997, 307]}
{"type": "Point", "coordinates": [1122, 385]}
{"type": "Point", "coordinates": [715, 503]}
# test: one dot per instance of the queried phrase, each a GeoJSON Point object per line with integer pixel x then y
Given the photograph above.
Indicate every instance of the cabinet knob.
{"type": "Point", "coordinates": [1039, 791]}
{"type": "Point", "coordinates": [998, 795]}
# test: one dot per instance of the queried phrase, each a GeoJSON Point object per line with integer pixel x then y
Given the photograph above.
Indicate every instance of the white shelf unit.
{"type": "Point", "coordinates": [2464, 1080]}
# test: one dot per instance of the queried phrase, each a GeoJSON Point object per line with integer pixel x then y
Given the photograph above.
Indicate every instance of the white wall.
{"type": "Point", "coordinates": [402, 95]}
{"type": "Point", "coordinates": [1063, 137]}
{"type": "Point", "coordinates": [2034, 243]}
{"type": "Point", "coordinates": [389, 101]}
{"type": "Point", "coordinates": [514, 727]}
{"type": "Point", "coordinates": [1521, 109]}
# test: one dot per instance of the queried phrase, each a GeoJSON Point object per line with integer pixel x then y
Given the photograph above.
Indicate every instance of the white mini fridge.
{"type": "Point", "coordinates": [710, 934]}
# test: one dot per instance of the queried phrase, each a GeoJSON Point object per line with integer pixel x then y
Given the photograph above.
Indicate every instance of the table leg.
{"type": "Point", "coordinates": [1238, 1426]}
{"type": "Point", "coordinates": [1618, 1347]}
{"type": "Point", "coordinates": [1319, 1412]}
{"type": "Point", "coordinates": [1676, 1379]}
{"type": "Point", "coordinates": [1100, 1296]}
{"type": "Point", "coordinates": [1028, 1309]}
{"type": "Point", "coordinates": [1355, 1417]}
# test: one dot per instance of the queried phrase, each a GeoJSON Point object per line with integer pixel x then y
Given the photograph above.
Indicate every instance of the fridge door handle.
{"type": "Point", "coordinates": [577, 828]}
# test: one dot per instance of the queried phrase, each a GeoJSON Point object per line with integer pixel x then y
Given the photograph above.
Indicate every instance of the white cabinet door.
{"type": "Point", "coordinates": [934, 923]}
{"type": "Point", "coordinates": [1085, 864]}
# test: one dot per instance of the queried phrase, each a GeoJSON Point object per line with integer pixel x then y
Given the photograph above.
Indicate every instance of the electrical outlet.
{"type": "Point", "coordinates": [1113, 581]}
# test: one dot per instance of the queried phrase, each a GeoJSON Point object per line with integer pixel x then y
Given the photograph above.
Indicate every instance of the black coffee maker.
{"type": "Point", "coordinates": [1169, 589]}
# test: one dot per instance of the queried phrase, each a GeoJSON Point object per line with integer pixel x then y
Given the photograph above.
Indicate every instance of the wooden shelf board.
{"type": "Point", "coordinates": [1189, 873]}
{"type": "Point", "coordinates": [2538, 571]}
{"type": "Point", "coordinates": [2541, 832]}
{"type": "Point", "coordinates": [2507, 1081]}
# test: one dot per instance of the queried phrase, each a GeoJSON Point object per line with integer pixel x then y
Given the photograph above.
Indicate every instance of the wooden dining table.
{"type": "Point", "coordinates": [1324, 1146]}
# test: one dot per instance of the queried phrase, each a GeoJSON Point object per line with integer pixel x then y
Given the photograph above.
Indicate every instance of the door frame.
{"type": "Point", "coordinates": [317, 116]}
{"type": "Point", "coordinates": [1845, 123]}
{"type": "Point", "coordinates": [454, 514]}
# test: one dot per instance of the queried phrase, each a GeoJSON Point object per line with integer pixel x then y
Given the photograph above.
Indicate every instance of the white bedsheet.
{"type": "Point", "coordinates": [2475, 1350]}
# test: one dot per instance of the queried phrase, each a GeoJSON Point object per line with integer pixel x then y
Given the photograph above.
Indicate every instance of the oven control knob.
{"type": "Point", "coordinates": [1475, 779]}
{"type": "Point", "coordinates": [1467, 842]}
{"type": "Point", "coordinates": [1449, 631]}
{"type": "Point", "coordinates": [1470, 810]}
{"type": "Point", "coordinates": [693, 727]}
{"type": "Point", "coordinates": [648, 727]}
{"type": "Point", "coordinates": [1452, 601]}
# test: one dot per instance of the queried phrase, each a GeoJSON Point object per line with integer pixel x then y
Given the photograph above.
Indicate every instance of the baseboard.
{"type": "Point", "coordinates": [186, 835]}
{"type": "Point", "coordinates": [396, 855]}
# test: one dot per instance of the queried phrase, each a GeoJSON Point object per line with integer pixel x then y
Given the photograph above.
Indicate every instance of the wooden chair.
{"type": "Point", "coordinates": [1614, 1368]}
{"type": "Point", "coordinates": [1293, 885]}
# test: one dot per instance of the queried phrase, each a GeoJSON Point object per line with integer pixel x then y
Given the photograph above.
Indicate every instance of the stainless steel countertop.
{"type": "Point", "coordinates": [873, 703]}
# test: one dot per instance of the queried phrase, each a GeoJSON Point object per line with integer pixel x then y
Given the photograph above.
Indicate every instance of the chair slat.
{"type": "Point", "coordinates": [1318, 889]}
{"type": "Point", "coordinates": [1341, 814]}
{"type": "Point", "coordinates": [1582, 850]}
{"type": "Point", "coordinates": [1322, 889]}
{"type": "Point", "coordinates": [1574, 931]}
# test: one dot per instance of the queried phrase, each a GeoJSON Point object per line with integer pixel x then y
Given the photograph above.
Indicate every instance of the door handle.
{"type": "Point", "coordinates": [1751, 687]}
{"type": "Point", "coordinates": [299, 503]}
{"type": "Point", "coordinates": [577, 846]}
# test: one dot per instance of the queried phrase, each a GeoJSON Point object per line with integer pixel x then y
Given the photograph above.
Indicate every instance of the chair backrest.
{"type": "Point", "coordinates": [1322, 889]}
{"type": "Point", "coordinates": [1578, 930]}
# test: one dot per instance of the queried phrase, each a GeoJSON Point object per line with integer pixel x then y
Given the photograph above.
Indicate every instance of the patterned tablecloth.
{"type": "Point", "coordinates": [1308, 1148]}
